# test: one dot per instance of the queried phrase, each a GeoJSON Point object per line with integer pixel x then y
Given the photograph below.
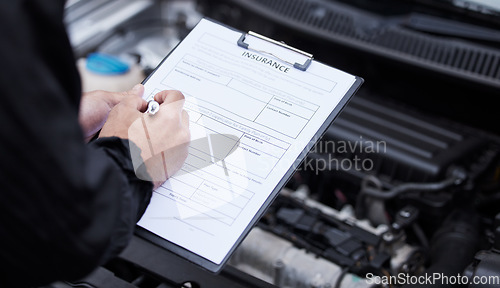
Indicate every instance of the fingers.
{"type": "Point", "coordinates": [137, 91]}
{"type": "Point", "coordinates": [133, 98]}
{"type": "Point", "coordinates": [171, 103]}
{"type": "Point", "coordinates": [185, 118]}
{"type": "Point", "coordinates": [116, 97]}
{"type": "Point", "coordinates": [169, 96]}
{"type": "Point", "coordinates": [135, 102]}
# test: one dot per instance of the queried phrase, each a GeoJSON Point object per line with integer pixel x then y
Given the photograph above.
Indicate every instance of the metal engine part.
{"type": "Point", "coordinates": [274, 253]}
{"type": "Point", "coordinates": [280, 263]}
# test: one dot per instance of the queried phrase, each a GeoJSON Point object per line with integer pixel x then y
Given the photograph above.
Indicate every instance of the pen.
{"type": "Point", "coordinates": [153, 107]}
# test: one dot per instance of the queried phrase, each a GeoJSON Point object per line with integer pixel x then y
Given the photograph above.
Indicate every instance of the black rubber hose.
{"type": "Point", "coordinates": [455, 177]}
{"type": "Point", "coordinates": [452, 248]}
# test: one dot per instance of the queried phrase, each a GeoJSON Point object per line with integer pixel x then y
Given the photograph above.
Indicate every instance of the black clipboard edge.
{"type": "Point", "coordinates": [205, 263]}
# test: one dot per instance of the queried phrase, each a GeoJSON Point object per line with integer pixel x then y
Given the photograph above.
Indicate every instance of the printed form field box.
{"type": "Point", "coordinates": [263, 146]}
{"type": "Point", "coordinates": [219, 95]}
{"type": "Point", "coordinates": [282, 121]}
{"type": "Point", "coordinates": [180, 188]}
{"type": "Point", "coordinates": [256, 162]}
{"type": "Point", "coordinates": [305, 110]}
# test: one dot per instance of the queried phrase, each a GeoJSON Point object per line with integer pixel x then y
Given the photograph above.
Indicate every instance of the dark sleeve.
{"type": "Point", "coordinates": [65, 206]}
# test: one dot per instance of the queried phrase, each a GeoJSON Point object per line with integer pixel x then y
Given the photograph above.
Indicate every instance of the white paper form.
{"type": "Point", "coordinates": [251, 116]}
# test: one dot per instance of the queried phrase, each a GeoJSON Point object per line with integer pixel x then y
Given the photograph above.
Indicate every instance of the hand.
{"type": "Point", "coordinates": [96, 105]}
{"type": "Point", "coordinates": [162, 138]}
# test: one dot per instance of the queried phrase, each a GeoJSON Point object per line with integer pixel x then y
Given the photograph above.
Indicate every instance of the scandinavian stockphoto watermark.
{"type": "Point", "coordinates": [331, 155]}
{"type": "Point", "coordinates": [431, 279]}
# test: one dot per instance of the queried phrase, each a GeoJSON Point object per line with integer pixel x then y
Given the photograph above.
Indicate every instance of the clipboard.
{"type": "Point", "coordinates": [148, 227]}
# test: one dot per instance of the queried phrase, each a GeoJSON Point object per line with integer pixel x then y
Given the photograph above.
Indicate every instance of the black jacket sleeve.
{"type": "Point", "coordinates": [65, 206]}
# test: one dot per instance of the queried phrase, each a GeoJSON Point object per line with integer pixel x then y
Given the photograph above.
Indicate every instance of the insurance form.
{"type": "Point", "coordinates": [251, 117]}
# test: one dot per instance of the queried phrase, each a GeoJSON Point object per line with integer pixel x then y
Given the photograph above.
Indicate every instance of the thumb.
{"type": "Point", "coordinates": [137, 90]}
{"type": "Point", "coordinates": [117, 97]}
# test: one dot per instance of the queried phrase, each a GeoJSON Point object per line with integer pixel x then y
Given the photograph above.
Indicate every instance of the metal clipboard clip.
{"type": "Point", "coordinates": [302, 67]}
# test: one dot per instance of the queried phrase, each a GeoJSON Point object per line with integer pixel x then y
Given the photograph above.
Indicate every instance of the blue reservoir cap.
{"type": "Point", "coordinates": [105, 64]}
